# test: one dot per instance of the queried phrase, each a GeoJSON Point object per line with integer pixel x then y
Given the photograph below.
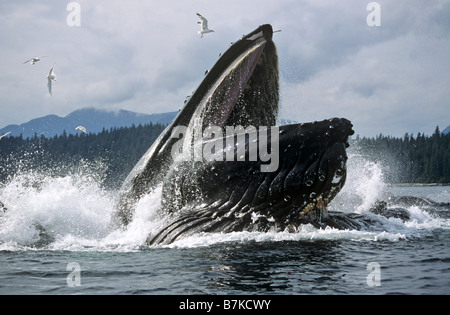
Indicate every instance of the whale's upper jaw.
{"type": "Point", "coordinates": [265, 32]}
{"type": "Point", "coordinates": [240, 89]}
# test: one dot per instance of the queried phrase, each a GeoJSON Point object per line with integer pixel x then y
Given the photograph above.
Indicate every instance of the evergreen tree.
{"type": "Point", "coordinates": [420, 159]}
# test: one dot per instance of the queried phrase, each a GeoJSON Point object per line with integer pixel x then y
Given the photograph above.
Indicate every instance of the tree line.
{"type": "Point", "coordinates": [108, 156]}
{"type": "Point", "coordinates": [419, 159]}
{"type": "Point", "coordinates": [111, 154]}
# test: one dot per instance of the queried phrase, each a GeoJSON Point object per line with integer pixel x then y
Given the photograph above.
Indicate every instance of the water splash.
{"type": "Point", "coordinates": [364, 186]}
{"type": "Point", "coordinates": [73, 212]}
{"type": "Point", "coordinates": [306, 233]}
{"type": "Point", "coordinates": [45, 209]}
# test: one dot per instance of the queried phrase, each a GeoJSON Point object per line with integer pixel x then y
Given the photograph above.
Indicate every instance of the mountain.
{"type": "Point", "coordinates": [446, 130]}
{"type": "Point", "coordinates": [94, 120]}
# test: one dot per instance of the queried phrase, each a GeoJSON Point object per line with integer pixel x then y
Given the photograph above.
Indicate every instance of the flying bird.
{"type": "Point", "coordinates": [34, 60]}
{"type": "Point", "coordinates": [50, 77]}
{"type": "Point", "coordinates": [1, 137]}
{"type": "Point", "coordinates": [81, 128]}
{"type": "Point", "coordinates": [204, 25]}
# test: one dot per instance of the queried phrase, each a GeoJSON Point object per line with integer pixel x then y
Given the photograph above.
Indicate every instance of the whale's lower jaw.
{"type": "Point", "coordinates": [237, 196]}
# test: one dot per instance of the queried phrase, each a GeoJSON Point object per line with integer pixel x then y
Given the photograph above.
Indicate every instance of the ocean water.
{"type": "Point", "coordinates": [56, 238]}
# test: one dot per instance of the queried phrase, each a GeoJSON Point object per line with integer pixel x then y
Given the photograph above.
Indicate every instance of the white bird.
{"type": "Point", "coordinates": [81, 128]}
{"type": "Point", "coordinates": [1, 137]}
{"type": "Point", "coordinates": [50, 77]}
{"type": "Point", "coordinates": [204, 25]}
{"type": "Point", "coordinates": [34, 60]}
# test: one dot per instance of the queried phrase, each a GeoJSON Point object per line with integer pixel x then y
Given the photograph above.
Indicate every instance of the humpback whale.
{"type": "Point", "coordinates": [260, 176]}
{"type": "Point", "coordinates": [223, 195]}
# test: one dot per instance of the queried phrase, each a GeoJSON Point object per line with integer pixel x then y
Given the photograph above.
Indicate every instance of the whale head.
{"type": "Point", "coordinates": [242, 88]}
{"type": "Point", "coordinates": [223, 164]}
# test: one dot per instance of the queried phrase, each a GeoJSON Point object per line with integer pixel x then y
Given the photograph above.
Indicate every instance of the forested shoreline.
{"type": "Point", "coordinates": [411, 159]}
{"type": "Point", "coordinates": [111, 154]}
{"type": "Point", "coordinates": [108, 156]}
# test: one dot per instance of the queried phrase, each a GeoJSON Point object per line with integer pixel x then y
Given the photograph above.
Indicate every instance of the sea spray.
{"type": "Point", "coordinates": [53, 208]}
{"type": "Point", "coordinates": [364, 186]}
{"type": "Point", "coordinates": [73, 213]}
{"type": "Point", "coordinates": [147, 218]}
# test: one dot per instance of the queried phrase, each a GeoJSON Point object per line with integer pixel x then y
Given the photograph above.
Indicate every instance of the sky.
{"type": "Point", "coordinates": [146, 56]}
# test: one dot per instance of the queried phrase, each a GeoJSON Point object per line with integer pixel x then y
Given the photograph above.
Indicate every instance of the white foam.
{"type": "Point", "coordinates": [62, 206]}
{"type": "Point", "coordinates": [145, 220]}
{"type": "Point", "coordinates": [422, 220]}
{"type": "Point", "coordinates": [306, 233]}
{"type": "Point", "coordinates": [365, 185]}
{"type": "Point", "coordinates": [75, 211]}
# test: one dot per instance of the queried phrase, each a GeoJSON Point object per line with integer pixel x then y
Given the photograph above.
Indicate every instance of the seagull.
{"type": "Point", "coordinates": [34, 60]}
{"type": "Point", "coordinates": [204, 23]}
{"type": "Point", "coordinates": [1, 137]}
{"type": "Point", "coordinates": [50, 77]}
{"type": "Point", "coordinates": [81, 128]}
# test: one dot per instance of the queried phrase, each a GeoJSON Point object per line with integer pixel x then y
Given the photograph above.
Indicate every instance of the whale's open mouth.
{"type": "Point", "coordinates": [223, 192]}
{"type": "Point", "coordinates": [228, 196]}
{"type": "Point", "coordinates": [316, 155]}
{"type": "Point", "coordinates": [242, 88]}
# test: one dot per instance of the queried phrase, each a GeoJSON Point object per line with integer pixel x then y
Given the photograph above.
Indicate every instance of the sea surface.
{"type": "Point", "coordinates": [56, 238]}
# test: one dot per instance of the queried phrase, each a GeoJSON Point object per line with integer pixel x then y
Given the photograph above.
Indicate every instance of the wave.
{"type": "Point", "coordinates": [74, 213]}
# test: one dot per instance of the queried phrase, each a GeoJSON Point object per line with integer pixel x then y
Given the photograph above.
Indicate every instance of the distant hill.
{"type": "Point", "coordinates": [446, 130]}
{"type": "Point", "coordinates": [94, 120]}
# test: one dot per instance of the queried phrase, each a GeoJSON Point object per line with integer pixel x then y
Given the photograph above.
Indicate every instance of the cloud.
{"type": "Point", "coordinates": [387, 80]}
{"type": "Point", "coordinates": [391, 88]}
{"type": "Point", "coordinates": [146, 56]}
